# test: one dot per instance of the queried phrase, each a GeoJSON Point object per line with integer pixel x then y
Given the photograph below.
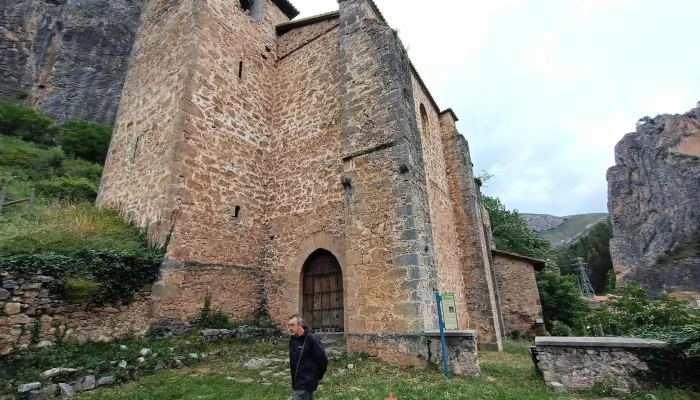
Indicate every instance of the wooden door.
{"type": "Point", "coordinates": [323, 293]}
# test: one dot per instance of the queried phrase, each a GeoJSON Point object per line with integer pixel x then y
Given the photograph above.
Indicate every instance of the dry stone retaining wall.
{"type": "Point", "coordinates": [580, 363]}
{"type": "Point", "coordinates": [24, 301]}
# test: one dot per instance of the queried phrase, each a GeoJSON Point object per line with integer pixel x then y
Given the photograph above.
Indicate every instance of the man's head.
{"type": "Point", "coordinates": [295, 325]}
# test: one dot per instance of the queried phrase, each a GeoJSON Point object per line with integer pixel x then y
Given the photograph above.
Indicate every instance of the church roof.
{"type": "Point", "coordinates": [288, 26]}
{"type": "Point", "coordinates": [537, 263]}
{"type": "Point", "coordinates": [287, 8]}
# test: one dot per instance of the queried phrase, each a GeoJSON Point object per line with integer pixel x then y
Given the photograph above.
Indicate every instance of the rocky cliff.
{"type": "Point", "coordinates": [67, 57]}
{"type": "Point", "coordinates": [654, 200]}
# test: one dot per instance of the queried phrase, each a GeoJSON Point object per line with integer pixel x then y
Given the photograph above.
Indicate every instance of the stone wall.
{"type": "Point", "coordinates": [181, 289]}
{"type": "Point", "coordinates": [520, 299]}
{"type": "Point", "coordinates": [67, 57]}
{"type": "Point", "coordinates": [580, 363]}
{"type": "Point", "coordinates": [472, 248]}
{"type": "Point", "coordinates": [442, 216]}
{"type": "Point", "coordinates": [420, 350]}
{"type": "Point", "coordinates": [390, 246]}
{"type": "Point", "coordinates": [24, 301]}
{"type": "Point", "coordinates": [305, 209]}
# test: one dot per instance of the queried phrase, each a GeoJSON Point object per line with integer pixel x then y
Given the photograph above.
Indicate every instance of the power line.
{"type": "Point", "coordinates": [584, 283]}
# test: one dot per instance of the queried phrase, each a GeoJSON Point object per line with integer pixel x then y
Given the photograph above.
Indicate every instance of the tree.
{"type": "Point", "coordinates": [594, 248]}
{"type": "Point", "coordinates": [511, 232]}
{"type": "Point", "coordinates": [85, 140]}
{"type": "Point", "coordinates": [27, 124]}
{"type": "Point", "coordinates": [561, 300]}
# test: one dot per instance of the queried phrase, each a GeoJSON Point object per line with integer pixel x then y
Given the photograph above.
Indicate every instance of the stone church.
{"type": "Point", "coordinates": [304, 167]}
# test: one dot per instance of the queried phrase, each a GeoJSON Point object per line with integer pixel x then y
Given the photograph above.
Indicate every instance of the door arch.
{"type": "Point", "coordinates": [322, 292]}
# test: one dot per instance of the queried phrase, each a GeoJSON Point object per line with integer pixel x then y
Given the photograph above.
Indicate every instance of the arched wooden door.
{"type": "Point", "coordinates": [323, 293]}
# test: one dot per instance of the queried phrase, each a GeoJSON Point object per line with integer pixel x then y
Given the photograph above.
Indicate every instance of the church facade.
{"type": "Point", "coordinates": [299, 167]}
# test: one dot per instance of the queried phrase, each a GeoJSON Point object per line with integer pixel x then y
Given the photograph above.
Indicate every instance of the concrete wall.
{"type": "Point", "coordinates": [520, 299]}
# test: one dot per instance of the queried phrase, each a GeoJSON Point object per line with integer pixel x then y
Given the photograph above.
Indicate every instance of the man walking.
{"type": "Point", "coordinates": [307, 359]}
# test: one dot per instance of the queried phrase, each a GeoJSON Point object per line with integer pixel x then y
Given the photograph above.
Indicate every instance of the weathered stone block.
{"type": "Point", "coordinates": [12, 308]}
{"type": "Point", "coordinates": [614, 361]}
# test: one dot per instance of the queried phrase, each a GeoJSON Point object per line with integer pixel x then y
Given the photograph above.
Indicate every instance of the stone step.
{"type": "Point", "coordinates": [331, 339]}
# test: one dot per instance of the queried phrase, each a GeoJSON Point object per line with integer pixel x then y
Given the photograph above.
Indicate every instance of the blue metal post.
{"type": "Point", "coordinates": [441, 323]}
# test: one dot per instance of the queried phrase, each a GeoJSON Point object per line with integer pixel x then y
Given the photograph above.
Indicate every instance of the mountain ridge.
{"type": "Point", "coordinates": [563, 231]}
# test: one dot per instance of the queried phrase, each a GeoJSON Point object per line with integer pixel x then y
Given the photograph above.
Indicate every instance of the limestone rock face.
{"type": "Point", "coordinates": [654, 200]}
{"type": "Point", "coordinates": [67, 57]}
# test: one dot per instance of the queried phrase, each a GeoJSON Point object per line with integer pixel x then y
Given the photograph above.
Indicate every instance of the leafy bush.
{"type": "Point", "coordinates": [560, 329]}
{"type": "Point", "coordinates": [82, 169]}
{"type": "Point", "coordinates": [27, 161]}
{"type": "Point", "coordinates": [69, 188]}
{"type": "Point", "coordinates": [27, 124]}
{"type": "Point", "coordinates": [85, 140]}
{"type": "Point", "coordinates": [630, 309]}
{"type": "Point", "coordinates": [561, 300]}
{"type": "Point", "coordinates": [678, 363]}
{"type": "Point", "coordinates": [78, 288]}
{"type": "Point", "coordinates": [512, 233]}
{"type": "Point", "coordinates": [119, 274]}
{"type": "Point", "coordinates": [205, 319]}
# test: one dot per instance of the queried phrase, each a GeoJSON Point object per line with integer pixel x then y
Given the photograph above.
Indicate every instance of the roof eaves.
{"type": "Point", "coordinates": [537, 263]}
{"type": "Point", "coordinates": [287, 8]}
{"type": "Point", "coordinates": [425, 87]}
{"type": "Point", "coordinates": [449, 110]}
{"type": "Point", "coordinates": [288, 26]}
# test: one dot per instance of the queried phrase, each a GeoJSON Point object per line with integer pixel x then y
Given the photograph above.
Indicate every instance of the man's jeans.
{"type": "Point", "coordinates": [303, 395]}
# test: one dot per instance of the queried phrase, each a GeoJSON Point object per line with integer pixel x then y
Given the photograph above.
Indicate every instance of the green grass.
{"type": "Point", "coordinates": [506, 375]}
{"type": "Point", "coordinates": [66, 228]}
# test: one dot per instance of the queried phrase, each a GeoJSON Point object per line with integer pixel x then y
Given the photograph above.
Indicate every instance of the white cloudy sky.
{"type": "Point", "coordinates": [545, 88]}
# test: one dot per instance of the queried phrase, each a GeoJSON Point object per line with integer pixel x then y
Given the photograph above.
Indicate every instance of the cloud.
{"type": "Point", "coordinates": [544, 89]}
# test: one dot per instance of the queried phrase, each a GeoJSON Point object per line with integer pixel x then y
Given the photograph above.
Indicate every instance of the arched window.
{"type": "Point", "coordinates": [425, 126]}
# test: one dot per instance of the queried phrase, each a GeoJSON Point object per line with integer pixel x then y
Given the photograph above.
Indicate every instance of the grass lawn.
{"type": "Point", "coordinates": [506, 375]}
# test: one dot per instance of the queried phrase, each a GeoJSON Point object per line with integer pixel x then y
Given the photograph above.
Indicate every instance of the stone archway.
{"type": "Point", "coordinates": [322, 293]}
{"type": "Point", "coordinates": [318, 241]}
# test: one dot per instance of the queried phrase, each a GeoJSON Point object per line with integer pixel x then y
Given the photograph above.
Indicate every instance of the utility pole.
{"type": "Point", "coordinates": [584, 283]}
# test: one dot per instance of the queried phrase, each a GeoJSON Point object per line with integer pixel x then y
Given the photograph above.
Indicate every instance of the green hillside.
{"type": "Point", "coordinates": [564, 230]}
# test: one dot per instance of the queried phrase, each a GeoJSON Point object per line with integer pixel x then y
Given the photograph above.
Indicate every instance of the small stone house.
{"type": "Point", "coordinates": [517, 290]}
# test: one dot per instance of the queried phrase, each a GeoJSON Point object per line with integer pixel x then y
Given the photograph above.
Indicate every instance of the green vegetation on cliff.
{"type": "Point", "coordinates": [90, 252]}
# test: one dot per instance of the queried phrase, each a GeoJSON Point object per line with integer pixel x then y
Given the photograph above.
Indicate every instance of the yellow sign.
{"type": "Point", "coordinates": [449, 311]}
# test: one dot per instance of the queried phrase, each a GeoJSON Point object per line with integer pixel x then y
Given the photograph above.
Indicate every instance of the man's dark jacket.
{"type": "Point", "coordinates": [312, 361]}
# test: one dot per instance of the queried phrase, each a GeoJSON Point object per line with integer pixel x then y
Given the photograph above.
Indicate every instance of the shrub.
{"type": "Point", "coordinates": [27, 161]}
{"type": "Point", "coordinates": [69, 188]}
{"type": "Point", "coordinates": [205, 319]}
{"type": "Point", "coordinates": [561, 300]}
{"type": "Point", "coordinates": [27, 124]}
{"type": "Point", "coordinates": [83, 169]}
{"type": "Point", "coordinates": [79, 288]}
{"type": "Point", "coordinates": [630, 309]}
{"type": "Point", "coordinates": [678, 363]}
{"type": "Point", "coordinates": [560, 329]}
{"type": "Point", "coordinates": [85, 140]}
